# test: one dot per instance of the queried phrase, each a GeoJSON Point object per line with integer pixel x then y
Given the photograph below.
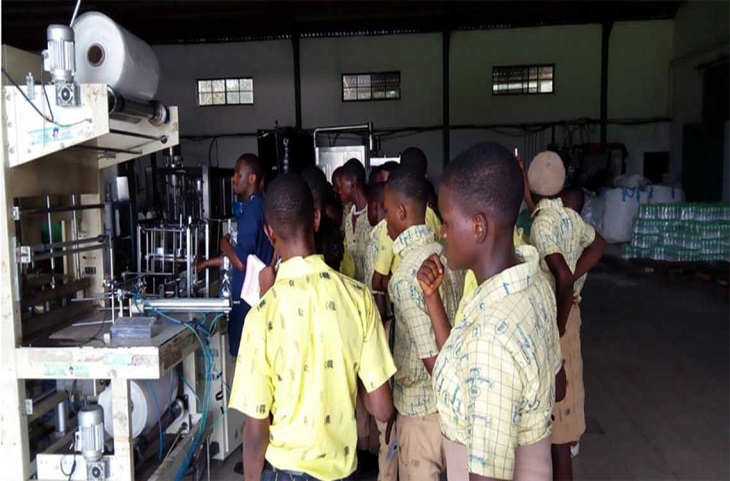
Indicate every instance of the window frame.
{"type": "Point", "coordinates": [225, 92]}
{"type": "Point", "coordinates": [371, 99]}
{"type": "Point", "coordinates": [524, 66]}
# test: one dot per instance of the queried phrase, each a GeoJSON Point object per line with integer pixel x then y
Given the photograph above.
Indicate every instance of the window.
{"type": "Point", "coordinates": [225, 91]}
{"type": "Point", "coordinates": [358, 87]}
{"type": "Point", "coordinates": [523, 79]}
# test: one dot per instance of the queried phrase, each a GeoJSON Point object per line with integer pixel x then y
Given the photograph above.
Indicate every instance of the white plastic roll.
{"type": "Point", "coordinates": [107, 53]}
{"type": "Point", "coordinates": [144, 411]}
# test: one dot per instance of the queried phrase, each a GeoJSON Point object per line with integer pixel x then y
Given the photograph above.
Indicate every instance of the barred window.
{"type": "Point", "coordinates": [225, 91]}
{"type": "Point", "coordinates": [523, 80]}
{"type": "Point", "coordinates": [358, 87]}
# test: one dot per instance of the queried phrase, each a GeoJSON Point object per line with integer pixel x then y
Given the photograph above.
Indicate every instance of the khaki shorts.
{"type": "Point", "coordinates": [569, 420]}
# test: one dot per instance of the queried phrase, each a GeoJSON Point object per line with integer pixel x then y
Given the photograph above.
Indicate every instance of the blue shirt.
{"type": "Point", "coordinates": [251, 239]}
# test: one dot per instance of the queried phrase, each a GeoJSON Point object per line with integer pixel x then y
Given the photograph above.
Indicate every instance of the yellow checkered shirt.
{"type": "Point", "coordinates": [303, 347]}
{"type": "Point", "coordinates": [356, 240]}
{"type": "Point", "coordinates": [414, 337]}
{"type": "Point", "coordinates": [559, 230]}
{"type": "Point", "coordinates": [386, 261]}
{"type": "Point", "coordinates": [495, 377]}
{"type": "Point", "coordinates": [371, 252]}
{"type": "Point", "coordinates": [470, 280]}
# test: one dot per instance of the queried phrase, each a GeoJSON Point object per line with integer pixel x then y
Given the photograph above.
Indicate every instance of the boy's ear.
{"type": "Point", "coordinates": [402, 212]}
{"type": "Point", "coordinates": [479, 227]}
{"type": "Point", "coordinates": [270, 234]}
{"type": "Point", "coordinates": [317, 219]}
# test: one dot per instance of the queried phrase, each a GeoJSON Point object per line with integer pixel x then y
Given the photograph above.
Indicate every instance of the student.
{"type": "Point", "coordinates": [387, 465]}
{"type": "Point", "coordinates": [569, 248]}
{"type": "Point", "coordinates": [328, 238]}
{"type": "Point", "coordinates": [250, 239]}
{"type": "Point", "coordinates": [420, 449]}
{"type": "Point", "coordinates": [350, 186]}
{"type": "Point", "coordinates": [495, 376]}
{"type": "Point", "coordinates": [313, 337]}
{"type": "Point", "coordinates": [386, 169]}
{"type": "Point", "coordinates": [376, 218]}
{"type": "Point", "coordinates": [386, 262]}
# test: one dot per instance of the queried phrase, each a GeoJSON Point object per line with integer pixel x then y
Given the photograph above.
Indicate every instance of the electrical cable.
{"type": "Point", "coordinates": [45, 94]}
{"type": "Point", "coordinates": [208, 363]}
{"type": "Point", "coordinates": [159, 416]}
{"type": "Point", "coordinates": [36, 108]}
{"type": "Point", "coordinates": [76, 11]}
{"type": "Point", "coordinates": [73, 467]}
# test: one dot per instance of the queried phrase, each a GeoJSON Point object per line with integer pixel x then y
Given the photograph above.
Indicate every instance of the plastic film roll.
{"type": "Point", "coordinates": [107, 53]}
{"type": "Point", "coordinates": [144, 410]}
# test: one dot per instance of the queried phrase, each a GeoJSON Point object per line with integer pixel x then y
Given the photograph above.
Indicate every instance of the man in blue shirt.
{"type": "Point", "coordinates": [250, 239]}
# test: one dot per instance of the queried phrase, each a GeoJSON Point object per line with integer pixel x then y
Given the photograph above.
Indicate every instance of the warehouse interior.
{"type": "Point", "coordinates": [125, 120]}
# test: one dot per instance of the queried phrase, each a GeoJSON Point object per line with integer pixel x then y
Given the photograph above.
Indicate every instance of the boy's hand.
{"type": "Point", "coordinates": [430, 275]}
{"type": "Point", "coordinates": [520, 162]}
{"type": "Point", "coordinates": [267, 277]}
{"type": "Point", "coordinates": [561, 385]}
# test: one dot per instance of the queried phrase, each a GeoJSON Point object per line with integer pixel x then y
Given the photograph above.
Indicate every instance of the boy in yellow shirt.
{"type": "Point", "coordinates": [420, 449]}
{"type": "Point", "coordinates": [494, 378]}
{"type": "Point", "coordinates": [306, 346]}
{"type": "Point", "coordinates": [351, 187]}
{"type": "Point", "coordinates": [568, 247]}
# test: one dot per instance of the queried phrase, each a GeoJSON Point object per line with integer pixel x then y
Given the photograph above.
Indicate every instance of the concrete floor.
{"type": "Point", "coordinates": [656, 359]}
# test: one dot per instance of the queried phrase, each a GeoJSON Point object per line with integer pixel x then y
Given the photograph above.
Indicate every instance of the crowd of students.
{"type": "Point", "coordinates": [431, 330]}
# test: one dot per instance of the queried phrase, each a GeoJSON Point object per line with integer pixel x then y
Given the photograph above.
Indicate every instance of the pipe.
{"type": "Point", "coordinates": [605, 37]}
{"type": "Point", "coordinates": [75, 233]}
{"type": "Point", "coordinates": [46, 247]}
{"type": "Point", "coordinates": [54, 254]}
{"type": "Point", "coordinates": [154, 111]}
{"type": "Point", "coordinates": [190, 305]}
{"type": "Point", "coordinates": [61, 417]}
{"type": "Point", "coordinates": [73, 208]}
{"type": "Point", "coordinates": [50, 241]}
{"type": "Point", "coordinates": [107, 149]}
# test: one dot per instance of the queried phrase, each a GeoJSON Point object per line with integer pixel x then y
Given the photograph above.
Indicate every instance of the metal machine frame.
{"type": "Point", "coordinates": [332, 157]}
{"type": "Point", "coordinates": [66, 161]}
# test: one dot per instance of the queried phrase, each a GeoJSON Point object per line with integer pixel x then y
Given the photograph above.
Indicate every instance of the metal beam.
{"type": "Point", "coordinates": [297, 80]}
{"type": "Point", "coordinates": [605, 38]}
{"type": "Point", "coordinates": [446, 46]}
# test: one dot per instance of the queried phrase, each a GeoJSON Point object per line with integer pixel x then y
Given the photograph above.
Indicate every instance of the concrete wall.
{"type": "Point", "coordinates": [638, 80]}
{"type": "Point", "coordinates": [269, 63]}
{"type": "Point", "coordinates": [701, 30]}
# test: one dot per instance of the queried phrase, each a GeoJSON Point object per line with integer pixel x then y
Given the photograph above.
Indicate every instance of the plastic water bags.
{"type": "Point", "coordinates": [621, 208]}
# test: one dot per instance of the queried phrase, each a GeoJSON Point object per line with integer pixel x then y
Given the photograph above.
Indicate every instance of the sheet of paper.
{"type": "Point", "coordinates": [250, 292]}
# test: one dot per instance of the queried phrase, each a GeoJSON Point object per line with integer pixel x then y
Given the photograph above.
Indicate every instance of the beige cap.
{"type": "Point", "coordinates": [546, 174]}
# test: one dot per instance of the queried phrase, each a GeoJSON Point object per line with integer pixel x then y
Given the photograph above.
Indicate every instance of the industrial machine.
{"type": "Point", "coordinates": [328, 158]}
{"type": "Point", "coordinates": [116, 368]}
{"type": "Point", "coordinates": [285, 149]}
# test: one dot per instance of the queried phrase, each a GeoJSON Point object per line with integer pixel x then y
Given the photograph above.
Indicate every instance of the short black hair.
{"type": "Point", "coordinates": [318, 185]}
{"type": "Point", "coordinates": [414, 158]}
{"type": "Point", "coordinates": [410, 184]}
{"type": "Point", "coordinates": [289, 206]}
{"type": "Point", "coordinates": [253, 163]}
{"type": "Point", "coordinates": [486, 178]}
{"type": "Point", "coordinates": [375, 192]}
{"type": "Point", "coordinates": [330, 242]}
{"type": "Point", "coordinates": [336, 172]}
{"type": "Point", "coordinates": [389, 166]}
{"type": "Point", "coordinates": [354, 170]}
